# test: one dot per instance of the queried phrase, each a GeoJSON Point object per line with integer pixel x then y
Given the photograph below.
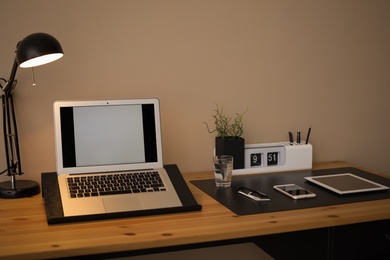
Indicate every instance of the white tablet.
{"type": "Point", "coordinates": [346, 183]}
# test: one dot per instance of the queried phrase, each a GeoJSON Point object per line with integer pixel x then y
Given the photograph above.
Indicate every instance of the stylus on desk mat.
{"type": "Point", "coordinates": [253, 194]}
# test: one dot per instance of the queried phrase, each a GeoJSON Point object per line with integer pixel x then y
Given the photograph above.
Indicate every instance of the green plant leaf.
{"type": "Point", "coordinates": [224, 125]}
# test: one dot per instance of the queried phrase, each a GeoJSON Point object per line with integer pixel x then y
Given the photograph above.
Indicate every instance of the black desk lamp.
{"type": "Point", "coordinates": [34, 50]}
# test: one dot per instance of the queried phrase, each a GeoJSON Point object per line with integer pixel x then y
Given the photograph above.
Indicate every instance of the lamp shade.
{"type": "Point", "coordinates": [38, 49]}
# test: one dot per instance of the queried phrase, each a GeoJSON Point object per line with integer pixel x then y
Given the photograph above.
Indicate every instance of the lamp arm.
{"type": "Point", "coordinates": [7, 88]}
{"type": "Point", "coordinates": [9, 125]}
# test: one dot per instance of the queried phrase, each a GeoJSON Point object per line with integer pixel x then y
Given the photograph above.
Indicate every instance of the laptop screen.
{"type": "Point", "coordinates": [107, 135]}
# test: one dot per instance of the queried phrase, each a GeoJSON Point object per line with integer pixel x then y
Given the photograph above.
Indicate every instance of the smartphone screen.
{"type": "Point", "coordinates": [294, 191]}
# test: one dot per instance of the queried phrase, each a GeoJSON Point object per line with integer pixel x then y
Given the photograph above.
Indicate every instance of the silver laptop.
{"type": "Point", "coordinates": [109, 157]}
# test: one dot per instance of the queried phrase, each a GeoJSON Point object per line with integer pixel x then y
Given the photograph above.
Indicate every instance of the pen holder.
{"type": "Point", "coordinates": [276, 157]}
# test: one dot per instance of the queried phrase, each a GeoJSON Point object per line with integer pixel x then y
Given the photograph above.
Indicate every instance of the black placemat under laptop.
{"type": "Point", "coordinates": [55, 214]}
{"type": "Point", "coordinates": [241, 205]}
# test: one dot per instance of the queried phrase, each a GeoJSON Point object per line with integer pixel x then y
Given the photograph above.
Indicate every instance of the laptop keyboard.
{"type": "Point", "coordinates": [111, 184]}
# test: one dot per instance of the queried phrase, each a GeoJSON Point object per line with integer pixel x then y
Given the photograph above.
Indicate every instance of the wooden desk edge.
{"type": "Point", "coordinates": [27, 236]}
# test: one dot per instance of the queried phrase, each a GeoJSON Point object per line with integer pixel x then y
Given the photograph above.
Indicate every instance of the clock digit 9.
{"type": "Point", "coordinates": [255, 159]}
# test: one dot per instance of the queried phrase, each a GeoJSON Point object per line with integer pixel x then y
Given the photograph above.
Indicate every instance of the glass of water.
{"type": "Point", "coordinates": [223, 170]}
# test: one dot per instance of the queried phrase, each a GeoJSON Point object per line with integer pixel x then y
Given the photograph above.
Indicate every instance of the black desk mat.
{"type": "Point", "coordinates": [241, 205]}
{"type": "Point", "coordinates": [55, 214]}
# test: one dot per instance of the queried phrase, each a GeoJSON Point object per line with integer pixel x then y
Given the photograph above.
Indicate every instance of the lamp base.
{"type": "Point", "coordinates": [23, 188]}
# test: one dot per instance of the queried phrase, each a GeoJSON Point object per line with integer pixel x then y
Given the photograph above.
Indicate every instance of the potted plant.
{"type": "Point", "coordinates": [228, 140]}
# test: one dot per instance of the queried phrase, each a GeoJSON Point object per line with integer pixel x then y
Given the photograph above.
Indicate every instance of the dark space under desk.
{"type": "Point", "coordinates": [329, 231]}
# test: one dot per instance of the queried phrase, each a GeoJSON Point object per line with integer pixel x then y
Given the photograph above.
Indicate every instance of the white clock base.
{"type": "Point", "coordinates": [276, 157]}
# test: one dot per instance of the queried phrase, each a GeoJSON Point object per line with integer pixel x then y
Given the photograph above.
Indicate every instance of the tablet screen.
{"type": "Point", "coordinates": [346, 183]}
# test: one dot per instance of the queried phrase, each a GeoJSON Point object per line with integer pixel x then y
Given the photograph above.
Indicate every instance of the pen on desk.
{"type": "Point", "coordinates": [253, 194]}
{"type": "Point", "coordinates": [290, 136]}
{"type": "Point", "coordinates": [262, 194]}
{"type": "Point", "coordinates": [308, 135]}
{"type": "Point", "coordinates": [299, 137]}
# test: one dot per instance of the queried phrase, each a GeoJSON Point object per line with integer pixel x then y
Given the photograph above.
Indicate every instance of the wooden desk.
{"type": "Point", "coordinates": [25, 234]}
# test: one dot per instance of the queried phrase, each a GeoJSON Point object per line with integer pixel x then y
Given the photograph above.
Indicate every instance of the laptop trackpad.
{"type": "Point", "coordinates": [122, 203]}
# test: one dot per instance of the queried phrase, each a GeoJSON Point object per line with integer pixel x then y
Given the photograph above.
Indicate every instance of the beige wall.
{"type": "Point", "coordinates": [291, 63]}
